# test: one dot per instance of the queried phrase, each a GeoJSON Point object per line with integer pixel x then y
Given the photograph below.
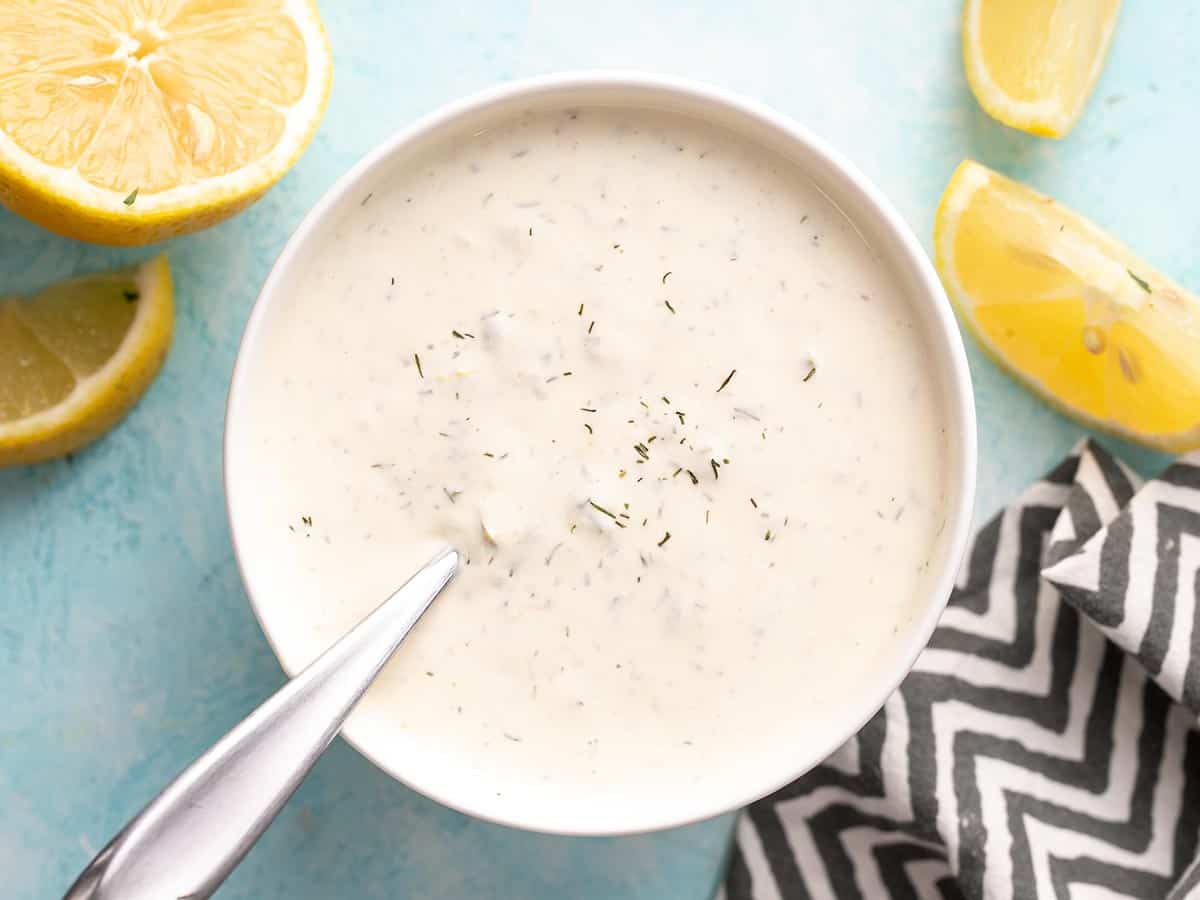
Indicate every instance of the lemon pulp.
{"type": "Point", "coordinates": [77, 356]}
{"type": "Point", "coordinates": [123, 121]}
{"type": "Point", "coordinates": [1070, 310]}
{"type": "Point", "coordinates": [1033, 63]}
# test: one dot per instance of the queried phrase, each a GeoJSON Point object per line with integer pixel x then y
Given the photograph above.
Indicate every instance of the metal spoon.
{"type": "Point", "coordinates": [190, 837]}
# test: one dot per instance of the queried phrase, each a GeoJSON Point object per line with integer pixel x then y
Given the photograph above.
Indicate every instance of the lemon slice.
{"type": "Point", "coordinates": [76, 357]}
{"type": "Point", "coordinates": [1070, 311]}
{"type": "Point", "coordinates": [130, 121]}
{"type": "Point", "coordinates": [1033, 63]}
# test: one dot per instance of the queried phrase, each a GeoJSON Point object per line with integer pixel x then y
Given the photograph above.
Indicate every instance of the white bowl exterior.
{"type": "Point", "coordinates": [881, 227]}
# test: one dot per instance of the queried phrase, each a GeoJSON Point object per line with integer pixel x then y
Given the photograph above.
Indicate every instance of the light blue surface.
{"type": "Point", "coordinates": [126, 645]}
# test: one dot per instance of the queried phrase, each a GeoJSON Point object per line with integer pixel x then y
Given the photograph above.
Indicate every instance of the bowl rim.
{"type": "Point", "coordinates": [961, 477]}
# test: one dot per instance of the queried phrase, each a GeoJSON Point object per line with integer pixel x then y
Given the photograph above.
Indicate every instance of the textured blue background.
{"type": "Point", "coordinates": [126, 645]}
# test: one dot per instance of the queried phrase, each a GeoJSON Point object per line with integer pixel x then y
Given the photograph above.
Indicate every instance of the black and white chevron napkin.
{"type": "Point", "coordinates": [1045, 744]}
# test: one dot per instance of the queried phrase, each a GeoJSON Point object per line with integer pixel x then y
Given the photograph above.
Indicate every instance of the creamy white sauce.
{"type": "Point", "coordinates": [668, 578]}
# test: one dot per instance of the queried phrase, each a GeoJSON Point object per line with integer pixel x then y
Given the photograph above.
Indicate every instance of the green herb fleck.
{"type": "Point", "coordinates": [596, 506]}
{"type": "Point", "coordinates": [666, 275]}
{"type": "Point", "coordinates": [716, 467]}
{"type": "Point", "coordinates": [581, 309]}
{"type": "Point", "coordinates": [728, 378]}
{"type": "Point", "coordinates": [128, 201]}
{"type": "Point", "coordinates": [811, 372]}
{"type": "Point", "coordinates": [420, 371]}
{"type": "Point", "coordinates": [666, 537]}
{"type": "Point", "coordinates": [590, 327]}
{"type": "Point", "coordinates": [753, 503]}
{"type": "Point", "coordinates": [642, 450]}
{"type": "Point", "coordinates": [452, 496]}
{"type": "Point", "coordinates": [692, 475]}
{"type": "Point", "coordinates": [588, 427]}
{"type": "Point", "coordinates": [458, 334]}
{"type": "Point", "coordinates": [307, 520]}
{"type": "Point", "coordinates": [1142, 283]}
{"type": "Point", "coordinates": [680, 414]}
{"type": "Point", "coordinates": [489, 454]}
{"type": "Point", "coordinates": [665, 399]}
{"type": "Point", "coordinates": [767, 536]}
{"type": "Point", "coordinates": [670, 307]}
{"type": "Point", "coordinates": [676, 472]}
{"type": "Point", "coordinates": [586, 409]}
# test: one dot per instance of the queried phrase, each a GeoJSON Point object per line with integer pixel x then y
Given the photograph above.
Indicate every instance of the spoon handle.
{"type": "Point", "coordinates": [189, 838]}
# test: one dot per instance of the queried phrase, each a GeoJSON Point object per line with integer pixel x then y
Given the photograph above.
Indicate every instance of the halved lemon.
{"type": "Point", "coordinates": [1070, 311]}
{"type": "Point", "coordinates": [130, 121]}
{"type": "Point", "coordinates": [1033, 63]}
{"type": "Point", "coordinates": [75, 358]}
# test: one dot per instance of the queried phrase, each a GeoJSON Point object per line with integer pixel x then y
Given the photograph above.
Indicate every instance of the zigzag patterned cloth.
{"type": "Point", "coordinates": [1045, 744]}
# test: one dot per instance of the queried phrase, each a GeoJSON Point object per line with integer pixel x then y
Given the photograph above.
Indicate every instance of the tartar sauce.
{"type": "Point", "coordinates": [665, 399]}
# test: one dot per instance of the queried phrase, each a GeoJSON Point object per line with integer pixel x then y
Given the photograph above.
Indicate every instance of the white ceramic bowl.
{"type": "Point", "coordinates": [884, 231]}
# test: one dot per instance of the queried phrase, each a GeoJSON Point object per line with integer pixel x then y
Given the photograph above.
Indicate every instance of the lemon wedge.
{"type": "Point", "coordinates": [1033, 63]}
{"type": "Point", "coordinates": [1070, 311]}
{"type": "Point", "coordinates": [130, 121]}
{"type": "Point", "coordinates": [76, 357]}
